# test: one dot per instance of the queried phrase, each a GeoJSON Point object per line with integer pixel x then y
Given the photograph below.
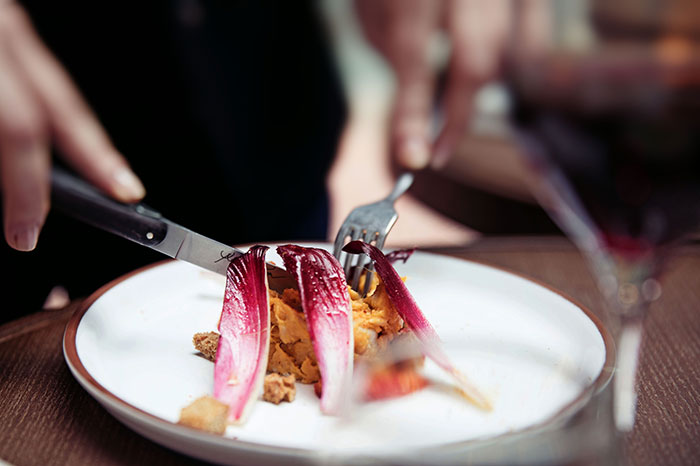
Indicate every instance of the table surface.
{"type": "Point", "coordinates": [47, 418]}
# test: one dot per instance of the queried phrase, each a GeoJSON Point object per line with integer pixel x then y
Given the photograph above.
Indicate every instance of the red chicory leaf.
{"type": "Point", "coordinates": [326, 304]}
{"type": "Point", "coordinates": [400, 255]}
{"type": "Point", "coordinates": [241, 357]}
{"type": "Point", "coordinates": [410, 312]}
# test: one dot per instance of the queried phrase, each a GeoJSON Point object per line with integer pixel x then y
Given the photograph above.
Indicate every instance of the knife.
{"type": "Point", "coordinates": [145, 226]}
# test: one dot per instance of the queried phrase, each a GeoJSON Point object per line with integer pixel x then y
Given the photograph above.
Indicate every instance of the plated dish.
{"type": "Point", "coordinates": [531, 350]}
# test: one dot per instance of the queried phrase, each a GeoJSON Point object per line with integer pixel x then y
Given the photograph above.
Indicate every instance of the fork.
{"type": "Point", "coordinates": [370, 223]}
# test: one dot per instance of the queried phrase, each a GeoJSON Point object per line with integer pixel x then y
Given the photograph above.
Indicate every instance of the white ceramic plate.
{"type": "Point", "coordinates": [531, 350]}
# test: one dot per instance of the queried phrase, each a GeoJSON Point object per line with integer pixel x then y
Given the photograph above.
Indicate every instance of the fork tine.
{"type": "Point", "coordinates": [340, 242]}
{"type": "Point", "coordinates": [368, 238]}
{"type": "Point", "coordinates": [368, 279]}
{"type": "Point", "coordinates": [357, 272]}
{"type": "Point", "coordinates": [350, 258]}
{"type": "Point", "coordinates": [380, 238]}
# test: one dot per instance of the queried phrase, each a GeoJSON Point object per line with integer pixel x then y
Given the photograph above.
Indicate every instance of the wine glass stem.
{"type": "Point", "coordinates": [625, 395]}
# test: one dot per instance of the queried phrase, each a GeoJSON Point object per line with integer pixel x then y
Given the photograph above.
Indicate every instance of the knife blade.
{"type": "Point", "coordinates": [147, 227]}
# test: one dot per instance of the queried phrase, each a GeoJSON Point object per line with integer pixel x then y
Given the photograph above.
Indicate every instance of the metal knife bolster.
{"type": "Point", "coordinates": [188, 246]}
{"type": "Point", "coordinates": [183, 244]}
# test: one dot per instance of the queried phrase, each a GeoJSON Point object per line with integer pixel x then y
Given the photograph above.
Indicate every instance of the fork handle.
{"type": "Point", "coordinates": [402, 184]}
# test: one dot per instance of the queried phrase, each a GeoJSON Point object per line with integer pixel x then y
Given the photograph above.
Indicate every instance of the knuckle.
{"type": "Point", "coordinates": [461, 66]}
{"type": "Point", "coordinates": [13, 18]}
{"type": "Point", "coordinates": [23, 130]}
{"type": "Point", "coordinates": [466, 67]}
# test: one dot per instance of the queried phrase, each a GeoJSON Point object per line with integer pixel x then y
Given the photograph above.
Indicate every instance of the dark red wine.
{"type": "Point", "coordinates": [618, 144]}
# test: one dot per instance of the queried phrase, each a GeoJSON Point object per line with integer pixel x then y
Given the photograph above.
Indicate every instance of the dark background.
{"type": "Point", "coordinates": [229, 111]}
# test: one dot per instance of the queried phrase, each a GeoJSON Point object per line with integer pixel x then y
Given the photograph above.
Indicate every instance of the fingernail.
{"type": "Point", "coordinates": [25, 238]}
{"type": "Point", "coordinates": [128, 186]}
{"type": "Point", "coordinates": [414, 154]}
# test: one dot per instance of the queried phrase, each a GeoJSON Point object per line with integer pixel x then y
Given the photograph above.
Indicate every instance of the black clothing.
{"type": "Point", "coordinates": [229, 112]}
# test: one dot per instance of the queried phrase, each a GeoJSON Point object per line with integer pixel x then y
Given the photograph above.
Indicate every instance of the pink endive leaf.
{"type": "Point", "coordinates": [410, 312]}
{"type": "Point", "coordinates": [241, 357]}
{"type": "Point", "coordinates": [326, 304]}
{"type": "Point", "coordinates": [400, 255]}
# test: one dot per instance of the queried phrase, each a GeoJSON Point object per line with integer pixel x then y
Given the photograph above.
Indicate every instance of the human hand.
{"type": "Point", "coordinates": [402, 30]}
{"type": "Point", "coordinates": [40, 106]}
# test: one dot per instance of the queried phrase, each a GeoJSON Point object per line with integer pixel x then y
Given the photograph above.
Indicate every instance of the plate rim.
{"type": "Point", "coordinates": [104, 396]}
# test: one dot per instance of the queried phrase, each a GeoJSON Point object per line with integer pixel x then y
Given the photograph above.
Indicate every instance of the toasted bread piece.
{"type": "Point", "coordinates": [206, 343]}
{"type": "Point", "coordinates": [205, 413]}
{"type": "Point", "coordinates": [279, 388]}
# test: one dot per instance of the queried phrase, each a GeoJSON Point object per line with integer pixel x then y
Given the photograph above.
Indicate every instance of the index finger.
{"type": "Point", "coordinates": [477, 30]}
{"type": "Point", "coordinates": [80, 137]}
{"type": "Point", "coordinates": [410, 28]}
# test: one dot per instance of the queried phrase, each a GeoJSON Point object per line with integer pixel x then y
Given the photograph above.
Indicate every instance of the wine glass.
{"type": "Point", "coordinates": [606, 105]}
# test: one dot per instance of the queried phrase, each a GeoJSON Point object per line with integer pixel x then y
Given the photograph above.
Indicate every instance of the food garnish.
{"type": "Point", "coordinates": [206, 343]}
{"type": "Point", "coordinates": [326, 304]}
{"type": "Point", "coordinates": [394, 380]}
{"type": "Point", "coordinates": [279, 388]}
{"type": "Point", "coordinates": [244, 326]}
{"type": "Point", "coordinates": [414, 318]}
{"type": "Point", "coordinates": [205, 413]}
{"type": "Point", "coordinates": [400, 255]}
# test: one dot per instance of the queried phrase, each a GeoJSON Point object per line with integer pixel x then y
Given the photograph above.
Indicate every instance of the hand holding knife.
{"type": "Point", "coordinates": [147, 227]}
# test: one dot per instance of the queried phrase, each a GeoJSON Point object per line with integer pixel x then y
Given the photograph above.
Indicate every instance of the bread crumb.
{"type": "Point", "coordinates": [279, 388]}
{"type": "Point", "coordinates": [205, 413]}
{"type": "Point", "coordinates": [206, 343]}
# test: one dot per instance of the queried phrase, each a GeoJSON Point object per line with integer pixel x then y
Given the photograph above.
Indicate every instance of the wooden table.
{"type": "Point", "coordinates": [47, 418]}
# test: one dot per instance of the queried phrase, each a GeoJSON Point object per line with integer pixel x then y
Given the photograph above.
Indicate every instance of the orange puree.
{"type": "Point", "coordinates": [375, 323]}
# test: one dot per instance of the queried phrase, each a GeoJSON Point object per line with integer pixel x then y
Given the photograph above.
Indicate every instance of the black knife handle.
{"type": "Point", "coordinates": [81, 200]}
